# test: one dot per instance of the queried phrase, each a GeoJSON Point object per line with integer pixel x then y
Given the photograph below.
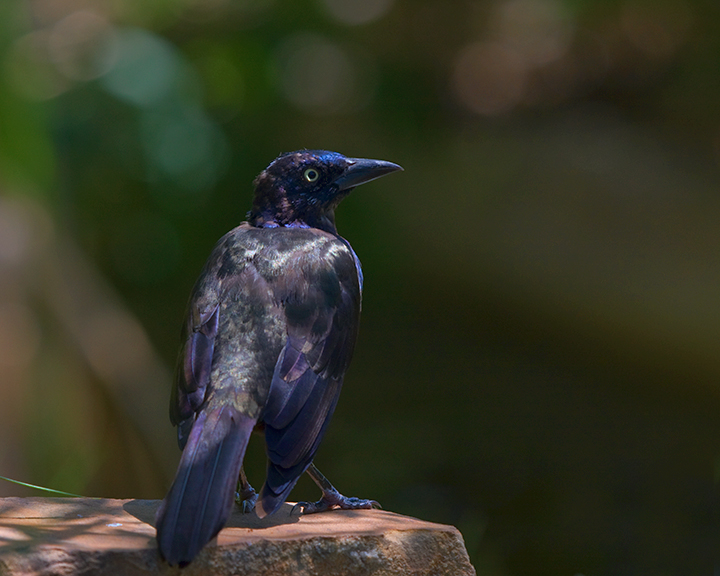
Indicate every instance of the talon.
{"type": "Point", "coordinates": [245, 496]}
{"type": "Point", "coordinates": [246, 503]}
{"type": "Point", "coordinates": [331, 501]}
{"type": "Point", "coordinates": [331, 498]}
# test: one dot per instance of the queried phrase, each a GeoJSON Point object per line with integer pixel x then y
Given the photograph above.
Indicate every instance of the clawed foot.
{"type": "Point", "coordinates": [246, 498]}
{"type": "Point", "coordinates": [334, 500]}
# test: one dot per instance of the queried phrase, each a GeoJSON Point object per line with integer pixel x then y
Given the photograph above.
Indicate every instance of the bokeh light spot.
{"type": "Point", "coordinates": [539, 30]}
{"type": "Point", "coordinates": [29, 69]}
{"type": "Point", "coordinates": [143, 68]}
{"type": "Point", "coordinates": [657, 30]}
{"type": "Point", "coordinates": [74, 44]}
{"type": "Point", "coordinates": [318, 76]}
{"type": "Point", "coordinates": [185, 145]}
{"type": "Point", "coordinates": [489, 78]}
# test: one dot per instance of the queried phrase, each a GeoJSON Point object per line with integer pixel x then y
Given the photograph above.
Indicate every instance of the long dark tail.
{"type": "Point", "coordinates": [200, 499]}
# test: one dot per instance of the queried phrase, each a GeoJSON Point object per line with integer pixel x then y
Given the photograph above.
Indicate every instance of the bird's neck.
{"type": "Point", "coordinates": [274, 219]}
{"type": "Point", "coordinates": [273, 206]}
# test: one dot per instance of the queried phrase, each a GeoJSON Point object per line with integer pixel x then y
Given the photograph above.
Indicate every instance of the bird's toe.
{"type": "Point", "coordinates": [246, 500]}
{"type": "Point", "coordinates": [335, 500]}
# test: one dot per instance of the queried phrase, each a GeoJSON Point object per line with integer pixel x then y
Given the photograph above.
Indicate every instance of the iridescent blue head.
{"type": "Point", "coordinates": [303, 188]}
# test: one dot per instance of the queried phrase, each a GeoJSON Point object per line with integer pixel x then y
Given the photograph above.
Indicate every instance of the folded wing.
{"type": "Point", "coordinates": [322, 308]}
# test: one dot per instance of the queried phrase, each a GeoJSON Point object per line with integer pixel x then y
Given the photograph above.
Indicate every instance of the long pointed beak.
{"type": "Point", "coordinates": [362, 170]}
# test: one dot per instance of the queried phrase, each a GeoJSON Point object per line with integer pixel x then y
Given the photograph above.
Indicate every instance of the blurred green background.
{"type": "Point", "coordinates": [539, 357]}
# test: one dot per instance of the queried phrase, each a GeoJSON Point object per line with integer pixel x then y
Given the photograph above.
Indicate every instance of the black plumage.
{"type": "Point", "coordinates": [269, 334]}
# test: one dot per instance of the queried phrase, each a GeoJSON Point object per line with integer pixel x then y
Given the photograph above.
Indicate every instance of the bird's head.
{"type": "Point", "coordinates": [303, 188]}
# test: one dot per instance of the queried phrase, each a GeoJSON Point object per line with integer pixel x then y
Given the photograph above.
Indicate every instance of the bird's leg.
{"type": "Point", "coordinates": [245, 496]}
{"type": "Point", "coordinates": [331, 498]}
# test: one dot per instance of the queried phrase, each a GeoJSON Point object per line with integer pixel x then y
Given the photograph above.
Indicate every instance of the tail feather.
{"type": "Point", "coordinates": [200, 499]}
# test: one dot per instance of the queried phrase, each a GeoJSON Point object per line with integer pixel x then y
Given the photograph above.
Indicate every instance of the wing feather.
{"type": "Point", "coordinates": [322, 320]}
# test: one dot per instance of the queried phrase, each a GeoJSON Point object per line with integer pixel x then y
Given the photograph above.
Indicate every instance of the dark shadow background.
{"type": "Point", "coordinates": [538, 360]}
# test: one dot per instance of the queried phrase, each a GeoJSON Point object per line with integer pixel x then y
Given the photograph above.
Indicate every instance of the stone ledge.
{"type": "Point", "coordinates": [54, 536]}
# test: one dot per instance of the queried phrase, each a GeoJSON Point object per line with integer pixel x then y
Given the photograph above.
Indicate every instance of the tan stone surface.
{"type": "Point", "coordinates": [58, 536]}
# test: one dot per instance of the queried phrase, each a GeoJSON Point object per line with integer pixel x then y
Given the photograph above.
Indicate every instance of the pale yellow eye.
{"type": "Point", "coordinates": [311, 174]}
